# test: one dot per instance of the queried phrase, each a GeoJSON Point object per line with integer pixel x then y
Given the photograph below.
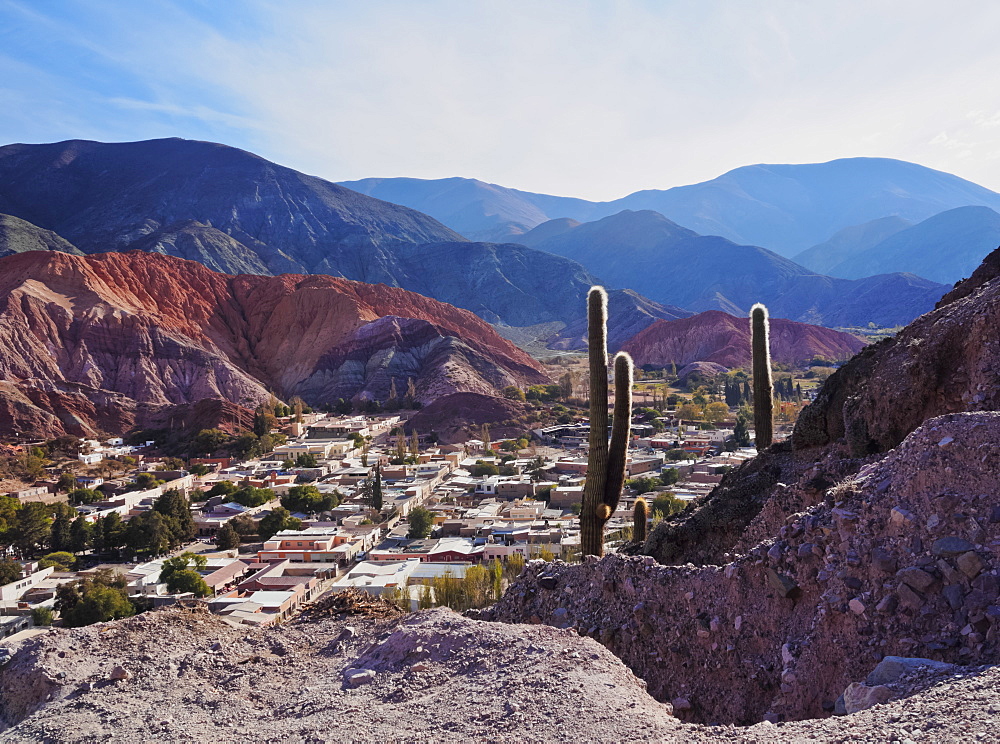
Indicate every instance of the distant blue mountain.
{"type": "Point", "coordinates": [670, 264]}
{"type": "Point", "coordinates": [785, 208]}
{"type": "Point", "coordinates": [848, 243]}
{"type": "Point", "coordinates": [946, 247]}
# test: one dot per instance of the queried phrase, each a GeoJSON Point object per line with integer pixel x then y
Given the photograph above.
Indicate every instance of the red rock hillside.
{"type": "Point", "coordinates": [724, 339]}
{"type": "Point", "coordinates": [113, 340]}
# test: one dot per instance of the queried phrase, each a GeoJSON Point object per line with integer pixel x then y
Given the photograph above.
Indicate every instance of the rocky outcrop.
{"type": "Point", "coordinates": [902, 559]}
{"type": "Point", "coordinates": [458, 417]}
{"type": "Point", "coordinates": [944, 361]}
{"type": "Point", "coordinates": [721, 338]}
{"type": "Point", "coordinates": [99, 342]}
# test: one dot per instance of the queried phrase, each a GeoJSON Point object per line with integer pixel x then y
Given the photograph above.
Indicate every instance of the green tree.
{"type": "Point", "coordinates": [243, 524]}
{"type": "Point", "coordinates": [741, 432]}
{"type": "Point", "coordinates": [145, 481]}
{"type": "Point", "coordinates": [95, 598]}
{"type": "Point", "coordinates": [176, 509]}
{"type": "Point", "coordinates": [250, 497]}
{"type": "Point", "coordinates": [181, 575]}
{"type": "Point", "coordinates": [376, 498]}
{"type": "Point", "coordinates": [670, 476]}
{"type": "Point", "coordinates": [110, 535]}
{"type": "Point", "coordinates": [199, 469]}
{"type": "Point", "coordinates": [223, 488]}
{"type": "Point", "coordinates": [10, 571]}
{"type": "Point", "coordinates": [208, 441]}
{"type": "Point", "coordinates": [306, 460]}
{"type": "Point", "coordinates": [59, 535]}
{"type": "Point", "coordinates": [84, 496]}
{"type": "Point", "coordinates": [279, 519]}
{"type": "Point", "coordinates": [513, 392]}
{"type": "Point", "coordinates": [60, 560]}
{"type": "Point", "coordinates": [421, 521]}
{"type": "Point", "coordinates": [482, 468]}
{"type": "Point", "coordinates": [309, 500]}
{"type": "Point", "coordinates": [80, 535]}
{"type": "Point", "coordinates": [32, 527]}
{"type": "Point", "coordinates": [666, 504]}
{"type": "Point", "coordinates": [227, 538]}
{"type": "Point", "coordinates": [148, 533]}
{"type": "Point", "coordinates": [66, 482]}
{"type": "Point", "coordinates": [42, 616]}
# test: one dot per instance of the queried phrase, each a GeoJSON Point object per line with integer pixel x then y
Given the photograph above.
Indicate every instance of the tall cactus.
{"type": "Point", "coordinates": [605, 464]}
{"type": "Point", "coordinates": [763, 388]}
{"type": "Point", "coordinates": [639, 516]}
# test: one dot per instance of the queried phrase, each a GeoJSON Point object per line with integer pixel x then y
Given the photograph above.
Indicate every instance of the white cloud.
{"type": "Point", "coordinates": [578, 97]}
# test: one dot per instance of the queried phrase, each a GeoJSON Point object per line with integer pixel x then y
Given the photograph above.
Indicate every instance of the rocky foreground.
{"type": "Point", "coordinates": [180, 676]}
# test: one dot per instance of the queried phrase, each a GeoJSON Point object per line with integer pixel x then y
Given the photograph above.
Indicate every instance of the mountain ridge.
{"type": "Point", "coordinates": [119, 337]}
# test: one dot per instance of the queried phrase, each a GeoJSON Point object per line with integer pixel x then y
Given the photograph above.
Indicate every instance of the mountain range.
{"type": "Point", "coordinates": [671, 264]}
{"type": "Point", "coordinates": [943, 248]}
{"type": "Point", "coordinates": [785, 208]}
{"type": "Point", "coordinates": [240, 214]}
{"type": "Point", "coordinates": [115, 340]}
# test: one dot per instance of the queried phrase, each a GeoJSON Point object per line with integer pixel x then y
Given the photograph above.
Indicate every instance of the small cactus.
{"type": "Point", "coordinates": [763, 388]}
{"type": "Point", "coordinates": [639, 517]}
{"type": "Point", "coordinates": [605, 464]}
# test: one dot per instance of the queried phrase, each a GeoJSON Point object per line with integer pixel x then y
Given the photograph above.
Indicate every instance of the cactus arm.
{"type": "Point", "coordinates": [621, 429]}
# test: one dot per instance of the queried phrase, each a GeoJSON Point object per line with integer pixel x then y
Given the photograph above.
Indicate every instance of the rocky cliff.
{"type": "Point", "coordinates": [718, 337]}
{"type": "Point", "coordinates": [107, 340]}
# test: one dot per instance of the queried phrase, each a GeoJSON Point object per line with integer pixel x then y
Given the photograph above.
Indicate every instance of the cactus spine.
{"type": "Point", "coordinates": [763, 388]}
{"type": "Point", "coordinates": [605, 464]}
{"type": "Point", "coordinates": [639, 517]}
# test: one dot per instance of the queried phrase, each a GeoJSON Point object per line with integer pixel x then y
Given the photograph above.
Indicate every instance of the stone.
{"type": "Point", "coordinates": [358, 677]}
{"type": "Point", "coordinates": [908, 597]}
{"type": "Point", "coordinates": [681, 704]}
{"type": "Point", "coordinates": [883, 561]}
{"type": "Point", "coordinates": [857, 606]}
{"type": "Point", "coordinates": [901, 517]}
{"type": "Point", "coordinates": [951, 546]}
{"type": "Point", "coordinates": [891, 668]}
{"type": "Point", "coordinates": [420, 666]}
{"type": "Point", "coordinates": [120, 673]}
{"type": "Point", "coordinates": [951, 576]}
{"type": "Point", "coordinates": [954, 593]}
{"type": "Point", "coordinates": [784, 585]}
{"type": "Point", "coordinates": [547, 582]}
{"type": "Point", "coordinates": [970, 564]}
{"type": "Point", "coordinates": [915, 577]}
{"type": "Point", "coordinates": [946, 441]}
{"type": "Point", "coordinates": [888, 604]}
{"type": "Point", "coordinates": [862, 697]}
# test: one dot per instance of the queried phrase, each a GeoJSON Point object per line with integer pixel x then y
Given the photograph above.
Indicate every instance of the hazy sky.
{"type": "Point", "coordinates": [590, 99]}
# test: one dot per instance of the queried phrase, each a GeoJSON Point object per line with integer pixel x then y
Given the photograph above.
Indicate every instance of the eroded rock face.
{"type": "Point", "coordinates": [784, 628]}
{"type": "Point", "coordinates": [102, 341]}
{"type": "Point", "coordinates": [718, 337]}
{"type": "Point", "coordinates": [943, 362]}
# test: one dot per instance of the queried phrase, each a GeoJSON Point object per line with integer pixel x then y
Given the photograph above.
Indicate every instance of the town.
{"type": "Point", "coordinates": [320, 502]}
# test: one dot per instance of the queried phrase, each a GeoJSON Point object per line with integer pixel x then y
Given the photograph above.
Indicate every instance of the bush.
{"type": "Point", "coordinates": [42, 616]}
{"type": "Point", "coordinates": [667, 504]}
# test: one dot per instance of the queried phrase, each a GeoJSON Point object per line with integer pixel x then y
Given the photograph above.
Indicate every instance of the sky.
{"type": "Point", "coordinates": [569, 97]}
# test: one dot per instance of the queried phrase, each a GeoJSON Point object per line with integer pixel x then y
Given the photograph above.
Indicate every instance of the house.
{"type": "Point", "coordinates": [328, 544]}
{"type": "Point", "coordinates": [90, 458]}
